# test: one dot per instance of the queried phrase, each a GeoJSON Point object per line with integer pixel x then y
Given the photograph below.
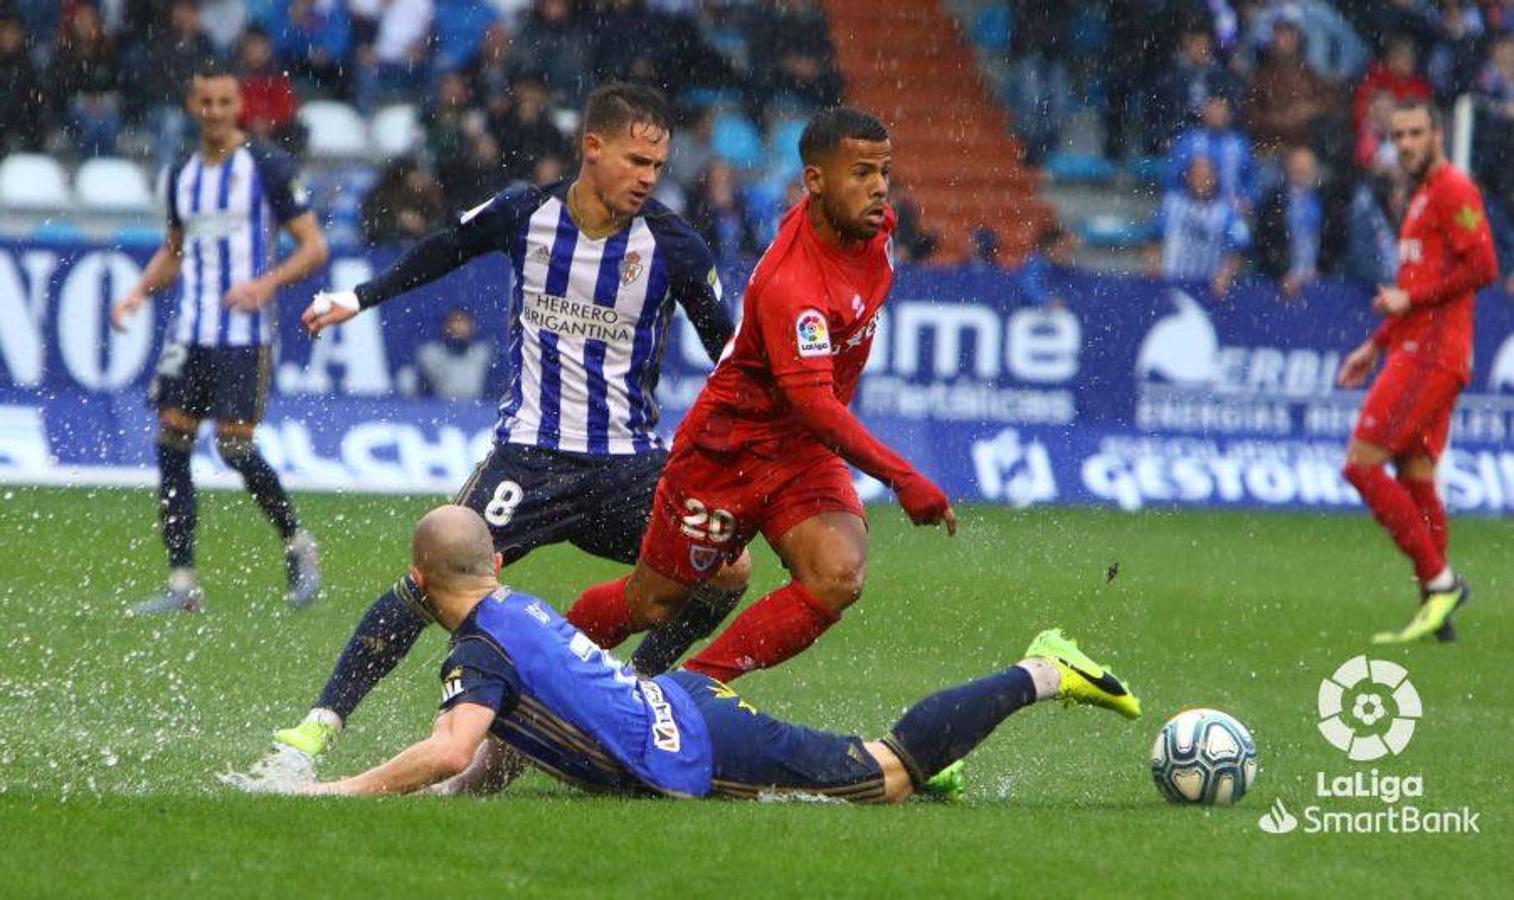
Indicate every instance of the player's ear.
{"type": "Point", "coordinates": [499, 564]}
{"type": "Point", "coordinates": [814, 180]}
{"type": "Point", "coordinates": [593, 146]}
{"type": "Point", "coordinates": [419, 578]}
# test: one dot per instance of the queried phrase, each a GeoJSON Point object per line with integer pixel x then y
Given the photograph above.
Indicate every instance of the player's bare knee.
{"type": "Point", "coordinates": [837, 581]}
{"type": "Point", "coordinates": [178, 422]}
{"type": "Point", "coordinates": [733, 577]}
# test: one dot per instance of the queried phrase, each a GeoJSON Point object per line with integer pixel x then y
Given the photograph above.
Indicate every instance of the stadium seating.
{"type": "Point", "coordinates": [336, 130]}
{"type": "Point", "coordinates": [395, 130]}
{"type": "Point", "coordinates": [112, 184]}
{"type": "Point", "coordinates": [737, 141]}
{"type": "Point", "coordinates": [33, 181]}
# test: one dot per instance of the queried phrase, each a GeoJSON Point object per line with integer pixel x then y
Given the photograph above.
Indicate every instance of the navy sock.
{"type": "Point", "coordinates": [176, 502]}
{"type": "Point", "coordinates": [946, 726]}
{"type": "Point", "coordinates": [383, 636]}
{"type": "Point", "coordinates": [262, 483]}
{"type": "Point", "coordinates": [705, 609]}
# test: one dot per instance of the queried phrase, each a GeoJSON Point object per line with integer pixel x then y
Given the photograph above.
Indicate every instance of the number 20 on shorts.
{"type": "Point", "coordinates": [705, 524]}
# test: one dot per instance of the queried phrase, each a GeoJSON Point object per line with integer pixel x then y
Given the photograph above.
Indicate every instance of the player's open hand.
{"type": "Point", "coordinates": [1357, 366]}
{"type": "Point", "coordinates": [125, 307]}
{"type": "Point", "coordinates": [327, 309]}
{"type": "Point", "coordinates": [249, 296]}
{"type": "Point", "coordinates": [1391, 301]}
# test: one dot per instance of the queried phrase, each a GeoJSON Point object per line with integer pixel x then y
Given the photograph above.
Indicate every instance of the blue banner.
{"type": "Point", "coordinates": [1126, 391]}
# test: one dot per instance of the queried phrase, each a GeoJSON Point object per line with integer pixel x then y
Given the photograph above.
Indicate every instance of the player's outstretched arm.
{"type": "Point", "coordinates": [447, 752]}
{"type": "Point", "coordinates": [162, 270]}
{"type": "Point", "coordinates": [428, 259]}
{"type": "Point", "coordinates": [834, 424]}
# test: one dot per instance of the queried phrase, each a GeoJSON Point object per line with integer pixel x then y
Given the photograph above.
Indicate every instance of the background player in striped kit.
{"type": "Point", "coordinates": [226, 203]}
{"type": "Point", "coordinates": [598, 267]}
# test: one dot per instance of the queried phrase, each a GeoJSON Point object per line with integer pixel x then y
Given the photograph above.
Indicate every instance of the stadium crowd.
{"type": "Point", "coordinates": [1260, 123]}
{"type": "Point", "coordinates": [1266, 119]}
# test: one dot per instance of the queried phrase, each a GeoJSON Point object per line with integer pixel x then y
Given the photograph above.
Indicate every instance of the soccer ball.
{"type": "Point", "coordinates": [1203, 756]}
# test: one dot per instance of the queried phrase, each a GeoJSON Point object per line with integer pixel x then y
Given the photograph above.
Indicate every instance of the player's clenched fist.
{"type": "Point", "coordinates": [1358, 365]}
{"type": "Point", "coordinates": [124, 307]}
{"type": "Point", "coordinates": [329, 308]}
{"type": "Point", "coordinates": [924, 503]}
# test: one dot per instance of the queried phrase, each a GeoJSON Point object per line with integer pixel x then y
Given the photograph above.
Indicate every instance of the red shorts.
{"type": "Point", "coordinates": [1407, 410]}
{"type": "Point", "coordinates": [709, 506]}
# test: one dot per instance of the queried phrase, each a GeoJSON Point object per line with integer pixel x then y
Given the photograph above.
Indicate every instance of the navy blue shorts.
{"type": "Point", "coordinates": [227, 384]}
{"type": "Point", "coordinates": [531, 496]}
{"type": "Point", "coordinates": [756, 754]}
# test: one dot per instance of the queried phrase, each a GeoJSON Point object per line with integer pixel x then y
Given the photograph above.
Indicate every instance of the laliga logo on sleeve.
{"type": "Point", "coordinates": [813, 335]}
{"type": "Point", "coordinates": [1355, 704]}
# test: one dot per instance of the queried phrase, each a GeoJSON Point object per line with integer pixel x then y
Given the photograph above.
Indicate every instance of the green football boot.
{"type": "Point", "coordinates": [1083, 680]}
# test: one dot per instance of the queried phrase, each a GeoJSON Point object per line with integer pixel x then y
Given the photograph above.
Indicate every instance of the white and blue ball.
{"type": "Point", "coordinates": [1203, 756]}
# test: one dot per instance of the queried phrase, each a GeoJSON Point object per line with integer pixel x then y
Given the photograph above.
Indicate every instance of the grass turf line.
{"type": "Point", "coordinates": [111, 727]}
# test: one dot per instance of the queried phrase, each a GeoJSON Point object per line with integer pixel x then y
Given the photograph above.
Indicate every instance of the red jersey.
{"type": "Point", "coordinates": [808, 318]}
{"type": "Point", "coordinates": [1445, 253]}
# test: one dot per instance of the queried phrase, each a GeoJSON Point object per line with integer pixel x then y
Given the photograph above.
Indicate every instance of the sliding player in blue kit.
{"type": "Point", "coordinates": [520, 677]}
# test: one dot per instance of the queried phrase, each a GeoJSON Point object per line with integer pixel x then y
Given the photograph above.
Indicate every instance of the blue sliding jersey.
{"type": "Point", "coordinates": [589, 319]}
{"type": "Point", "coordinates": [572, 708]}
{"type": "Point", "coordinates": [229, 214]}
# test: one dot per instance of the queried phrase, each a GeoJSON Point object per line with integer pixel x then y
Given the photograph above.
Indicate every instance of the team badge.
{"type": "Point", "coordinates": [630, 268]}
{"type": "Point", "coordinates": [812, 333]}
{"type": "Point", "coordinates": [701, 558]}
{"type": "Point", "coordinates": [1467, 217]}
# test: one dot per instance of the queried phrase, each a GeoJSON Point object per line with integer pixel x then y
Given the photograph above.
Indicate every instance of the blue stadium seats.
{"type": "Point", "coordinates": [1078, 168]}
{"type": "Point", "coordinates": [783, 147]}
{"type": "Point", "coordinates": [1113, 232]}
{"type": "Point", "coordinates": [737, 141]}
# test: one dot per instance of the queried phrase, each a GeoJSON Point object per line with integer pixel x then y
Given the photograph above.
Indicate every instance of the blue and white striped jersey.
{"type": "Point", "coordinates": [230, 215]}
{"type": "Point", "coordinates": [1197, 234]}
{"type": "Point", "coordinates": [589, 318]}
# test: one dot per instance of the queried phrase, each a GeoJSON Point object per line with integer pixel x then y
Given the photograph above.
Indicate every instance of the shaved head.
{"type": "Point", "coordinates": [451, 545]}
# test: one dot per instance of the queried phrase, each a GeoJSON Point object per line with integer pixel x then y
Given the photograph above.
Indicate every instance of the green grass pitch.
{"type": "Point", "coordinates": [111, 728]}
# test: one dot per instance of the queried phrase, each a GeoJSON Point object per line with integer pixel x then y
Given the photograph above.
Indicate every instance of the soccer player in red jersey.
{"type": "Point", "coordinates": [1445, 255]}
{"type": "Point", "coordinates": [764, 448]}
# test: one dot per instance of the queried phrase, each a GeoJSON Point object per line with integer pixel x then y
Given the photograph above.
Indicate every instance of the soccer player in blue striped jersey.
{"type": "Point", "coordinates": [598, 268]}
{"type": "Point", "coordinates": [227, 202]}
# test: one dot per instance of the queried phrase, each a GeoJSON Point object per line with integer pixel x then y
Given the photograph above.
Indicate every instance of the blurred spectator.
{"type": "Point", "coordinates": [493, 69]}
{"type": "Point", "coordinates": [454, 131]}
{"type": "Point", "coordinates": [1379, 22]}
{"type": "Point", "coordinates": [23, 120]}
{"type": "Point", "coordinates": [396, 57]}
{"type": "Point", "coordinates": [625, 41]}
{"type": "Point", "coordinates": [525, 133]}
{"type": "Point", "coordinates": [1290, 224]}
{"type": "Point", "coordinates": [1038, 50]}
{"type": "Point", "coordinates": [792, 55]}
{"type": "Point", "coordinates": [1396, 74]}
{"type": "Point", "coordinates": [983, 248]}
{"type": "Point", "coordinates": [223, 22]}
{"type": "Point", "coordinates": [551, 43]}
{"type": "Point", "coordinates": [458, 30]}
{"type": "Point", "coordinates": [1374, 147]}
{"type": "Point", "coordinates": [1224, 146]}
{"type": "Point", "coordinates": [716, 212]}
{"type": "Point", "coordinates": [691, 151]}
{"type": "Point", "coordinates": [1286, 97]}
{"type": "Point", "coordinates": [1493, 150]}
{"type": "Point", "coordinates": [1372, 230]}
{"type": "Point", "coordinates": [1501, 220]}
{"type": "Point", "coordinates": [1043, 274]}
{"type": "Point", "coordinates": [405, 205]}
{"type": "Point", "coordinates": [1452, 63]}
{"type": "Point", "coordinates": [164, 67]}
{"type": "Point", "coordinates": [912, 241]}
{"type": "Point", "coordinates": [268, 101]}
{"type": "Point", "coordinates": [313, 38]}
{"type": "Point", "coordinates": [84, 77]}
{"type": "Point", "coordinates": [1193, 76]}
{"type": "Point", "coordinates": [456, 366]}
{"type": "Point", "coordinates": [1332, 49]}
{"type": "Point", "coordinates": [1202, 236]}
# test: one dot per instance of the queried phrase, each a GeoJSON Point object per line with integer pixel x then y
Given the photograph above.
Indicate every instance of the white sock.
{"type": "Point", "coordinates": [1442, 582]}
{"type": "Point", "coordinates": [182, 579]}
{"type": "Point", "coordinates": [325, 716]}
{"type": "Point", "coordinates": [1045, 674]}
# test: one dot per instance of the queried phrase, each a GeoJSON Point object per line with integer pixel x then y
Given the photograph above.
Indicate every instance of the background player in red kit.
{"type": "Point", "coordinates": [765, 446]}
{"type": "Point", "coordinates": [1445, 255]}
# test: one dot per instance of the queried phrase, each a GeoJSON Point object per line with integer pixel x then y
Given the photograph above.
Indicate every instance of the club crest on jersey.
{"type": "Point", "coordinates": [813, 334]}
{"type": "Point", "coordinates": [701, 558]}
{"type": "Point", "coordinates": [630, 268]}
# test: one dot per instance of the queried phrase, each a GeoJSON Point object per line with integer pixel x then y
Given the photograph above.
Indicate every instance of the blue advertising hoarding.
{"type": "Point", "coordinates": [1128, 392]}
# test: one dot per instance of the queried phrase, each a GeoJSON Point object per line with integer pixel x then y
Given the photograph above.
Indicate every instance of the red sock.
{"type": "Point", "coordinates": [778, 626]}
{"type": "Point", "coordinates": [1394, 508]}
{"type": "Point", "coordinates": [1430, 509]}
{"type": "Point", "coordinates": [601, 612]}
